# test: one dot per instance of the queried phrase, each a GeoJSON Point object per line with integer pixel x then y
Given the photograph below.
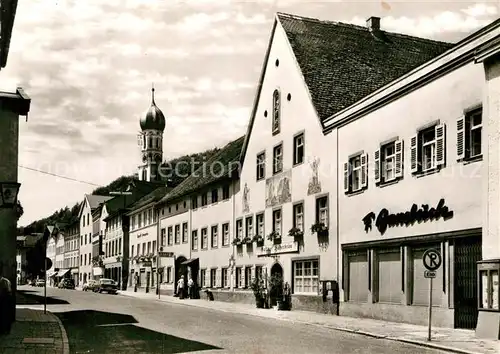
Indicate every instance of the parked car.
{"type": "Point", "coordinates": [90, 285]}
{"type": "Point", "coordinates": [108, 285]}
{"type": "Point", "coordinates": [40, 282]}
{"type": "Point", "coordinates": [67, 284]}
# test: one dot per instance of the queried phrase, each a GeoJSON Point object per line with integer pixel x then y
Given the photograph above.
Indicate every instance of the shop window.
{"type": "Point", "coordinates": [261, 166]}
{"type": "Point", "coordinates": [427, 149]}
{"type": "Point", "coordinates": [204, 199]}
{"type": "Point", "coordinates": [225, 278]}
{"type": "Point", "coordinates": [194, 202]}
{"type": "Point", "coordinates": [177, 234]}
{"type": "Point", "coordinates": [225, 234]}
{"type": "Point", "coordinates": [358, 277]}
{"type": "Point", "coordinates": [421, 285]}
{"type": "Point", "coordinates": [389, 162]}
{"type": "Point", "coordinates": [306, 277]}
{"type": "Point", "coordinates": [249, 226]}
{"type": "Point", "coordinates": [215, 195]}
{"type": "Point", "coordinates": [194, 240]}
{"type": "Point", "coordinates": [469, 135]}
{"type": "Point", "coordinates": [213, 278]}
{"type": "Point", "coordinates": [277, 221]}
{"type": "Point", "coordinates": [259, 220]}
{"type": "Point", "coordinates": [170, 236]}
{"type": "Point", "coordinates": [225, 192]}
{"type": "Point", "coordinates": [184, 232]}
{"type": "Point", "coordinates": [356, 173]}
{"type": "Point", "coordinates": [298, 216]}
{"type": "Point", "coordinates": [389, 277]}
{"type": "Point", "coordinates": [238, 283]}
{"type": "Point", "coordinates": [204, 238]}
{"type": "Point", "coordinates": [278, 159]}
{"type": "Point", "coordinates": [298, 149]}
{"type": "Point", "coordinates": [215, 236]}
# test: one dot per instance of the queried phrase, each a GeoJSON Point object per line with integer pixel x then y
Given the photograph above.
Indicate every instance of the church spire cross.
{"type": "Point", "coordinates": [153, 93]}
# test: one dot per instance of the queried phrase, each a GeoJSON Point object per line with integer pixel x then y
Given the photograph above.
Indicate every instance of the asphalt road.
{"type": "Point", "coordinates": [102, 323]}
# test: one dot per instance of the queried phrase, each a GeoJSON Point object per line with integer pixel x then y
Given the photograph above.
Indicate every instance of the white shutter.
{"type": "Point", "coordinates": [414, 154]}
{"type": "Point", "coordinates": [364, 170]}
{"type": "Point", "coordinates": [440, 144]}
{"type": "Point", "coordinates": [398, 147]}
{"type": "Point", "coordinates": [243, 275]}
{"type": "Point", "coordinates": [461, 138]}
{"type": "Point", "coordinates": [347, 178]}
{"type": "Point", "coordinates": [218, 278]}
{"type": "Point", "coordinates": [377, 166]}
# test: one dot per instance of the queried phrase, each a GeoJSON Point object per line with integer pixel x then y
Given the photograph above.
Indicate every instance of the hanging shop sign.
{"type": "Point", "coordinates": [385, 219]}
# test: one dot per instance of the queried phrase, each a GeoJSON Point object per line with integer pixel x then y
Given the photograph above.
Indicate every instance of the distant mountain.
{"type": "Point", "coordinates": [174, 172]}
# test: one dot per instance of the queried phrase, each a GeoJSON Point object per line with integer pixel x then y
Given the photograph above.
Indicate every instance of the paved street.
{"type": "Point", "coordinates": [102, 323]}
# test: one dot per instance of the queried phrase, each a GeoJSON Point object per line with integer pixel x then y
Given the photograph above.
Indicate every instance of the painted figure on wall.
{"type": "Point", "coordinates": [279, 189]}
{"type": "Point", "coordinates": [314, 183]}
{"type": "Point", "coordinates": [246, 204]}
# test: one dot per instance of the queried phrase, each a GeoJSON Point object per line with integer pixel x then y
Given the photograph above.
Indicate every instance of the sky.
{"type": "Point", "coordinates": [88, 67]}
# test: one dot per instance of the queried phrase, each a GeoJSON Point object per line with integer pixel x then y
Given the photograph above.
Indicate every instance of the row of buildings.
{"type": "Point", "coordinates": [364, 149]}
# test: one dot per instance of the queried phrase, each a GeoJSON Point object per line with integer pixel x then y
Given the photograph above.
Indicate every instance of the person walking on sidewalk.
{"type": "Point", "coordinates": [7, 314]}
{"type": "Point", "coordinates": [190, 288]}
{"type": "Point", "coordinates": [180, 287]}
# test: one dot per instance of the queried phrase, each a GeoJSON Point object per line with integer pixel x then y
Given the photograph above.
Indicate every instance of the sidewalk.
{"type": "Point", "coordinates": [35, 332]}
{"type": "Point", "coordinates": [448, 339]}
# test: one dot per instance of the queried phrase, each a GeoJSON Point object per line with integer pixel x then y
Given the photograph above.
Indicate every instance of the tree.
{"type": "Point", "coordinates": [19, 210]}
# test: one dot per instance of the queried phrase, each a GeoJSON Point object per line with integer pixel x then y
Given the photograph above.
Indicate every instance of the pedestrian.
{"type": "Point", "coordinates": [7, 313]}
{"type": "Point", "coordinates": [190, 288]}
{"type": "Point", "coordinates": [180, 287]}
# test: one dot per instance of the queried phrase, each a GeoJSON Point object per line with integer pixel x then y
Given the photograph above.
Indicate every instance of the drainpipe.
{"type": "Point", "coordinates": [337, 211]}
{"type": "Point", "coordinates": [234, 230]}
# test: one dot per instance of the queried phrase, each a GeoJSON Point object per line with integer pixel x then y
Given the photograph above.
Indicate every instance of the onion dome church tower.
{"type": "Point", "coordinates": [151, 142]}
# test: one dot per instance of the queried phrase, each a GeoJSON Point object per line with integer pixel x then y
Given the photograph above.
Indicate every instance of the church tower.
{"type": "Point", "coordinates": [151, 142]}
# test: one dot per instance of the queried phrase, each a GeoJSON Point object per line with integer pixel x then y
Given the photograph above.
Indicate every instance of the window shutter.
{"type": "Point", "coordinates": [414, 153]}
{"type": "Point", "coordinates": [347, 178]}
{"type": "Point", "coordinates": [218, 278]}
{"type": "Point", "coordinates": [461, 138]}
{"type": "Point", "coordinates": [243, 275]}
{"type": "Point", "coordinates": [364, 170]}
{"type": "Point", "coordinates": [377, 166]}
{"type": "Point", "coordinates": [440, 145]}
{"type": "Point", "coordinates": [398, 146]}
{"type": "Point", "coordinates": [253, 273]}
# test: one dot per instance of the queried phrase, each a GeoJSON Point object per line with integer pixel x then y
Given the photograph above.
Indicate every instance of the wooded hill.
{"type": "Point", "coordinates": [175, 170]}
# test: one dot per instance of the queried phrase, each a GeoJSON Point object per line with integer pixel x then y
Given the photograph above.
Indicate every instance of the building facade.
{"type": "Point", "coordinates": [72, 251]}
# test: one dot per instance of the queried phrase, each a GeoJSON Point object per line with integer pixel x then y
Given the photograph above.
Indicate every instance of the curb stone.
{"type": "Point", "coordinates": [65, 340]}
{"type": "Point", "coordinates": [340, 329]}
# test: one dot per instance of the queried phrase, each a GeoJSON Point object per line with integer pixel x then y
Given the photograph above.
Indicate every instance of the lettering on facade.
{"type": "Point", "coordinates": [384, 219]}
{"type": "Point", "coordinates": [289, 247]}
{"type": "Point", "coordinates": [144, 234]}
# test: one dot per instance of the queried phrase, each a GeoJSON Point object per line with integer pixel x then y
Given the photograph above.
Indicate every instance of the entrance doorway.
{"type": "Point", "coordinates": [179, 270]}
{"type": "Point", "coordinates": [276, 286]}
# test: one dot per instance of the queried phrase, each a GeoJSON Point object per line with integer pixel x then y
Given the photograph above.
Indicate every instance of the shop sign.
{"type": "Point", "coordinates": [144, 234]}
{"type": "Point", "coordinates": [385, 219]}
{"type": "Point", "coordinates": [289, 247]}
{"type": "Point", "coordinates": [166, 254]}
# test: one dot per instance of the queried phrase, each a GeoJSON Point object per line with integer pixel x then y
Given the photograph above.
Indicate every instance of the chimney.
{"type": "Point", "coordinates": [373, 24]}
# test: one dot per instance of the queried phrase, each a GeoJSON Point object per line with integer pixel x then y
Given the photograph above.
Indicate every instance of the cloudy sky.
{"type": "Point", "coordinates": [88, 67]}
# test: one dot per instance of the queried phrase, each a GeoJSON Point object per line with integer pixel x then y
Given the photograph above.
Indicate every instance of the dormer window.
{"type": "Point", "coordinates": [276, 112]}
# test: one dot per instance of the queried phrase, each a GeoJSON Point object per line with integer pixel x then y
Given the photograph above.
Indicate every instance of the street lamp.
{"type": "Point", "coordinates": [8, 194]}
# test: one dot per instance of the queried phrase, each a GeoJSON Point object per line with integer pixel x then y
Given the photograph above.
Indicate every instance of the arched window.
{"type": "Point", "coordinates": [144, 142]}
{"type": "Point", "coordinates": [150, 143]}
{"type": "Point", "coordinates": [276, 112]}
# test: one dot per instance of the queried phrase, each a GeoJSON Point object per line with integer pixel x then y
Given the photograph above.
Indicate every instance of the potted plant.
{"type": "Point", "coordinates": [236, 241]}
{"type": "Point", "coordinates": [295, 232]}
{"type": "Point", "coordinates": [319, 228]}
{"type": "Point", "coordinates": [257, 286]}
{"type": "Point", "coordinates": [259, 239]}
{"type": "Point", "coordinates": [273, 236]}
{"type": "Point", "coordinates": [246, 240]}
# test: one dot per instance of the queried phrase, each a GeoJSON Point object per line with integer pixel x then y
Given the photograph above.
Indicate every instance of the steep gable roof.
{"type": "Point", "coordinates": [224, 165]}
{"type": "Point", "coordinates": [342, 63]}
{"type": "Point", "coordinates": [96, 200]}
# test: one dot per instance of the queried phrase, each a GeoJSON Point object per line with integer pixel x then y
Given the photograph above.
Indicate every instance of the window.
{"type": "Point", "coordinates": [261, 166]}
{"type": "Point", "coordinates": [238, 283]}
{"type": "Point", "coordinates": [214, 236]}
{"type": "Point", "coordinates": [356, 173]}
{"type": "Point", "coordinates": [154, 216]}
{"type": "Point", "coordinates": [278, 158]}
{"type": "Point", "coordinates": [194, 202]}
{"type": "Point", "coordinates": [259, 220]}
{"type": "Point", "coordinates": [144, 249]}
{"type": "Point", "coordinates": [427, 149]}
{"type": "Point", "coordinates": [277, 221]}
{"type": "Point", "coordinates": [305, 277]}
{"type": "Point", "coordinates": [149, 247]}
{"type": "Point", "coordinates": [194, 240]}
{"type": "Point", "coordinates": [184, 232]}
{"type": "Point", "coordinates": [298, 216]}
{"type": "Point", "coordinates": [139, 220]}
{"type": "Point", "coordinates": [276, 112]}
{"type": "Point", "coordinates": [298, 149]}
{"type": "Point", "coordinates": [389, 162]}
{"type": "Point", "coordinates": [249, 226]}
{"type": "Point", "coordinates": [163, 238]}
{"type": "Point", "coordinates": [225, 278]}
{"type": "Point", "coordinates": [204, 199]}
{"type": "Point", "coordinates": [215, 195]}
{"type": "Point", "coordinates": [322, 210]}
{"type": "Point", "coordinates": [469, 135]}
{"type": "Point", "coordinates": [259, 272]}
{"type": "Point", "coordinates": [248, 276]}
{"type": "Point", "coordinates": [204, 238]}
{"type": "Point", "coordinates": [213, 278]}
{"type": "Point", "coordinates": [169, 275]}
{"type": "Point", "coordinates": [203, 277]}
{"type": "Point", "coordinates": [225, 234]}
{"type": "Point", "coordinates": [177, 234]}
{"type": "Point", "coordinates": [239, 229]}
{"type": "Point", "coordinates": [170, 236]}
{"type": "Point", "coordinates": [150, 216]}
{"type": "Point", "coordinates": [225, 192]}
{"type": "Point", "coordinates": [154, 246]}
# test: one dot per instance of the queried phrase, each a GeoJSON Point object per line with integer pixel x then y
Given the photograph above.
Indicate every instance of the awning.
{"type": "Point", "coordinates": [51, 274]}
{"type": "Point", "coordinates": [190, 261]}
{"type": "Point", "coordinates": [62, 272]}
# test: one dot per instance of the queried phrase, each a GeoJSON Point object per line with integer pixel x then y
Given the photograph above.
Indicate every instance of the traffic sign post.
{"type": "Point", "coordinates": [432, 261]}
